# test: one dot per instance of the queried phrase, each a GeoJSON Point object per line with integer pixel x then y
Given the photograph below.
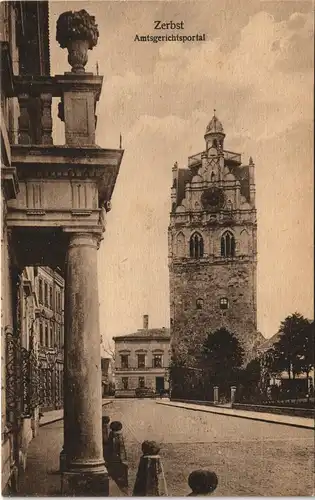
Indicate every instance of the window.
{"type": "Point", "coordinates": [40, 291]}
{"type": "Point", "coordinates": [46, 335]}
{"type": "Point", "coordinates": [196, 246]}
{"type": "Point", "coordinates": [124, 360]}
{"type": "Point", "coordinates": [141, 383]}
{"type": "Point", "coordinates": [125, 382]}
{"type": "Point", "coordinates": [180, 245]}
{"type": "Point", "coordinates": [41, 334]}
{"type": "Point", "coordinates": [227, 245]}
{"type": "Point", "coordinates": [59, 301]}
{"type": "Point", "coordinates": [224, 303]}
{"type": "Point", "coordinates": [59, 342]}
{"type": "Point", "coordinates": [61, 336]}
{"type": "Point", "coordinates": [51, 335]}
{"type": "Point", "coordinates": [244, 242]}
{"type": "Point", "coordinates": [141, 360]}
{"type": "Point", "coordinates": [50, 297]}
{"type": "Point", "coordinates": [157, 361]}
{"type": "Point", "coordinates": [46, 295]}
{"type": "Point", "coordinates": [199, 303]}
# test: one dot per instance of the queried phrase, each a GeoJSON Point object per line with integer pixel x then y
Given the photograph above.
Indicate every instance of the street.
{"type": "Point", "coordinates": [251, 458]}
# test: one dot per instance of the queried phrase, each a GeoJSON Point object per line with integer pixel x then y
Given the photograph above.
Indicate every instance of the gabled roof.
{"type": "Point", "coordinates": [268, 343]}
{"type": "Point", "coordinates": [146, 334]}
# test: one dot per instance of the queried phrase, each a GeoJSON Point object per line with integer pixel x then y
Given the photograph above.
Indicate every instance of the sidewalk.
{"type": "Point", "coordinates": [42, 476]}
{"type": "Point", "coordinates": [306, 423]}
{"type": "Point", "coordinates": [55, 415]}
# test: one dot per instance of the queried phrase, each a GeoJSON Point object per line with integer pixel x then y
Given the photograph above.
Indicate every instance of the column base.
{"type": "Point", "coordinates": [85, 484]}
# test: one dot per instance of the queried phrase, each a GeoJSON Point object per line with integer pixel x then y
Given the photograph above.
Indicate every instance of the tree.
{"type": "Point", "coordinates": [292, 352]}
{"type": "Point", "coordinates": [223, 356]}
{"type": "Point", "coordinates": [306, 358]}
{"type": "Point", "coordinates": [251, 379]}
{"type": "Point", "coordinates": [108, 348]}
{"type": "Point", "coordinates": [252, 372]}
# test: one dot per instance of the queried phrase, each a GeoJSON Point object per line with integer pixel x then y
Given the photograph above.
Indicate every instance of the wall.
{"type": "Point", "coordinates": [6, 321]}
{"type": "Point", "coordinates": [210, 282]}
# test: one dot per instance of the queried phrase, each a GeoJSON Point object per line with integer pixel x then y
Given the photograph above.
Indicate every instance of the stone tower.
{"type": "Point", "coordinates": [212, 247]}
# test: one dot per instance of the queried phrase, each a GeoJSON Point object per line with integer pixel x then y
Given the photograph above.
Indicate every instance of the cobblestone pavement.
{"type": "Point", "coordinates": [251, 458]}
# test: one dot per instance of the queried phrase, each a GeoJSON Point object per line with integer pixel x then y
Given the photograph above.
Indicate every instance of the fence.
{"type": "Point", "coordinates": [196, 384]}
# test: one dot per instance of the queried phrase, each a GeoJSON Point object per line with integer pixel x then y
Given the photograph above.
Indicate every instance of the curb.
{"type": "Point", "coordinates": [57, 419]}
{"type": "Point", "coordinates": [260, 419]}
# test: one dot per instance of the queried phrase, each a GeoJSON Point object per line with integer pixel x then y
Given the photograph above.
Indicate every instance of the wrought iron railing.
{"type": "Point", "coordinates": [13, 375]}
{"type": "Point", "coordinates": [23, 380]}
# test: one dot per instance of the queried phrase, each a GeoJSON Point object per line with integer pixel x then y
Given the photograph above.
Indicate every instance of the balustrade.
{"type": "Point", "coordinates": [78, 95]}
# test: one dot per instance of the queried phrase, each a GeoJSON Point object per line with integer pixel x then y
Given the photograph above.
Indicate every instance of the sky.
{"type": "Point", "coordinates": [256, 69]}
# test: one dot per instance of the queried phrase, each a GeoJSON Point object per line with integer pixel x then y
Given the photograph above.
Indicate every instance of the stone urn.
{"type": "Point", "coordinates": [77, 32]}
{"type": "Point", "coordinates": [78, 55]}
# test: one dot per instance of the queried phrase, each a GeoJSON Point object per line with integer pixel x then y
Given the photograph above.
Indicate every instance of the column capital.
{"type": "Point", "coordinates": [81, 238]}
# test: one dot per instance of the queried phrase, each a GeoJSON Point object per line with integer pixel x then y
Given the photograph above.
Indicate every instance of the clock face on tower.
{"type": "Point", "coordinates": [212, 198]}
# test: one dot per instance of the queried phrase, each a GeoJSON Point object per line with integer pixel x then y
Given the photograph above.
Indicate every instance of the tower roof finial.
{"type": "Point", "coordinates": [214, 126]}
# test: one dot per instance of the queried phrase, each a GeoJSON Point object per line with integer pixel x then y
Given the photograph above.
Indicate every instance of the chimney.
{"type": "Point", "coordinates": [145, 321]}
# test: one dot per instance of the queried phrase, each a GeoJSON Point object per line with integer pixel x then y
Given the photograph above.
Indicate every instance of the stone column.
{"type": "Point", "coordinates": [85, 472]}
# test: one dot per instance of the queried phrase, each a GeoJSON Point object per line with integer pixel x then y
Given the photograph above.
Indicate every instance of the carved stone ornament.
{"type": "Point", "coordinates": [78, 32]}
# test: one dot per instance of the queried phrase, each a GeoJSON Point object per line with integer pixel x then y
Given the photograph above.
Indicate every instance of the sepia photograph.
{"type": "Point", "coordinates": [157, 272]}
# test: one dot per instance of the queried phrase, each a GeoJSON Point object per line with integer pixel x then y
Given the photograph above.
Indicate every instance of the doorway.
{"type": "Point", "coordinates": [159, 384]}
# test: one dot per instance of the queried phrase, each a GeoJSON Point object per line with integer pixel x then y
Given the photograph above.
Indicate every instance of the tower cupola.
{"type": "Point", "coordinates": [214, 135]}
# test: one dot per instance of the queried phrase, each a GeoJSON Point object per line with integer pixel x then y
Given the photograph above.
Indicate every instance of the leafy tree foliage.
{"type": "Point", "coordinates": [223, 356]}
{"type": "Point", "coordinates": [252, 372]}
{"type": "Point", "coordinates": [294, 351]}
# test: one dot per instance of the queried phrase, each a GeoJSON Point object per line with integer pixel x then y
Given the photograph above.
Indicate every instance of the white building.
{"type": "Point", "coordinates": [142, 360]}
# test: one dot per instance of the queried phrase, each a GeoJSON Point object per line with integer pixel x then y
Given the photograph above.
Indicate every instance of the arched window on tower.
{"type": "Point", "coordinates": [196, 246]}
{"type": "Point", "coordinates": [244, 242]}
{"type": "Point", "coordinates": [180, 245]}
{"type": "Point", "coordinates": [227, 244]}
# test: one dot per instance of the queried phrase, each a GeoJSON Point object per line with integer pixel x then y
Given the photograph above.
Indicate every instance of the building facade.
{"type": "Point", "coordinates": [49, 286]}
{"type": "Point", "coordinates": [54, 201]}
{"type": "Point", "coordinates": [142, 361]}
{"type": "Point", "coordinates": [23, 49]}
{"type": "Point", "coordinates": [212, 247]}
